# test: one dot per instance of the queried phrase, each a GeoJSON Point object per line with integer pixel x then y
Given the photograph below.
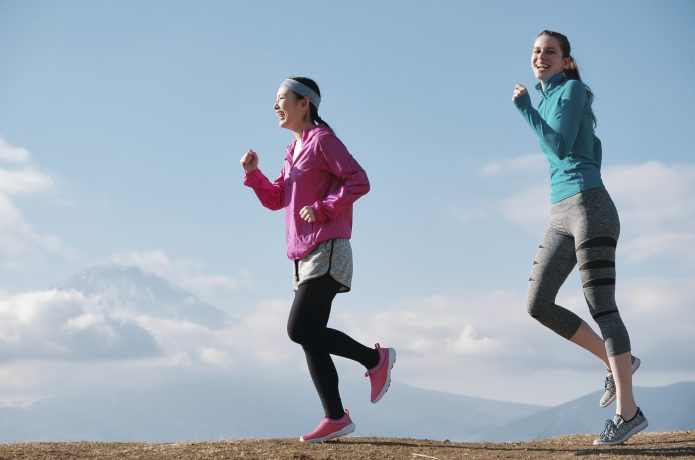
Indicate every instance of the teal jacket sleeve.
{"type": "Point", "coordinates": [558, 131]}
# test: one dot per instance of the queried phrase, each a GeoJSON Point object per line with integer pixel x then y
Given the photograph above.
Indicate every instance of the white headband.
{"type": "Point", "coordinates": [302, 90]}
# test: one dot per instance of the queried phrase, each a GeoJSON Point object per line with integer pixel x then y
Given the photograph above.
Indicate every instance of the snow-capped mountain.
{"type": "Point", "coordinates": [135, 292]}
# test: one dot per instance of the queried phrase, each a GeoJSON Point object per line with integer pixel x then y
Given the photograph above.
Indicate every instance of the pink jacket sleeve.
{"type": "Point", "coordinates": [354, 181]}
{"type": "Point", "coordinates": [271, 195]}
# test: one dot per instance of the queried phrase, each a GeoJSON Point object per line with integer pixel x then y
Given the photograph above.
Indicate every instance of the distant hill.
{"type": "Point", "coordinates": [668, 408]}
{"type": "Point", "coordinates": [199, 408]}
{"type": "Point", "coordinates": [205, 408]}
{"type": "Point", "coordinates": [131, 290]}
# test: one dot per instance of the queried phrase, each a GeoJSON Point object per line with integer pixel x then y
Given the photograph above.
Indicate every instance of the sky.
{"type": "Point", "coordinates": [122, 124]}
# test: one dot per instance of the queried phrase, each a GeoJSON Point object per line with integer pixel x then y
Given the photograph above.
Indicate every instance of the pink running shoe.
{"type": "Point", "coordinates": [380, 375]}
{"type": "Point", "coordinates": [330, 428]}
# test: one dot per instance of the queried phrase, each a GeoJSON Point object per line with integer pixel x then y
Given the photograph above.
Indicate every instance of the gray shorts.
{"type": "Point", "coordinates": [331, 256]}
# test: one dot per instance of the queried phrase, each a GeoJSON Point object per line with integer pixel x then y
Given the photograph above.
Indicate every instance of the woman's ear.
{"type": "Point", "coordinates": [304, 103]}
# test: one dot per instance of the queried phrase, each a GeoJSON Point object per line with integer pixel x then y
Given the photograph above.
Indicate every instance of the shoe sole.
{"type": "Point", "coordinates": [630, 434]}
{"type": "Point", "coordinates": [636, 366]}
{"type": "Point", "coordinates": [392, 361]}
{"type": "Point", "coordinates": [346, 430]}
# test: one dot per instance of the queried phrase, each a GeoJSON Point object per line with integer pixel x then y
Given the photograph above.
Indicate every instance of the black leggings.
{"type": "Point", "coordinates": [307, 325]}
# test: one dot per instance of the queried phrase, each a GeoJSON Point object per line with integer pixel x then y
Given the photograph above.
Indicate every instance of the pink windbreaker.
{"type": "Point", "coordinates": [325, 177]}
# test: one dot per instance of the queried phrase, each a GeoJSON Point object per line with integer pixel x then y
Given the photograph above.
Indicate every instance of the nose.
{"type": "Point", "coordinates": [275, 105]}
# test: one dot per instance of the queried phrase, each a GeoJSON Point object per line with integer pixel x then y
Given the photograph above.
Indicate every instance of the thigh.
{"type": "Point", "coordinates": [553, 263]}
{"type": "Point", "coordinates": [595, 225]}
{"type": "Point", "coordinates": [312, 302]}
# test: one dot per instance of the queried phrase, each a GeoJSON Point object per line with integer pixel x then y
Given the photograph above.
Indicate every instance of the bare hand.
{"type": "Point", "coordinates": [249, 161]}
{"type": "Point", "coordinates": [519, 91]}
{"type": "Point", "coordinates": [307, 214]}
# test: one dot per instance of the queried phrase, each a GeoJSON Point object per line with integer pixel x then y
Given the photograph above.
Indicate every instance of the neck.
{"type": "Point", "coordinates": [300, 129]}
{"type": "Point", "coordinates": [544, 83]}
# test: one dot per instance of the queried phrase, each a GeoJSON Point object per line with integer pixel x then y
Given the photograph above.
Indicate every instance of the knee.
{"type": "Point", "coordinates": [614, 332]}
{"type": "Point", "coordinates": [536, 307]}
{"type": "Point", "coordinates": [295, 333]}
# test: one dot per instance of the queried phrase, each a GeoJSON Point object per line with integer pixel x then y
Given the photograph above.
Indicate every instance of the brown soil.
{"type": "Point", "coordinates": [643, 446]}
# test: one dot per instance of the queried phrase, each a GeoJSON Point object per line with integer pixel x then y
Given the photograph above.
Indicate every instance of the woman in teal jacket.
{"type": "Point", "coordinates": [583, 229]}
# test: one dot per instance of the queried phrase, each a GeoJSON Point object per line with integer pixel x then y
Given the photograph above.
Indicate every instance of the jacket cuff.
{"type": "Point", "coordinates": [252, 178]}
{"type": "Point", "coordinates": [319, 213]}
{"type": "Point", "coordinates": [523, 102]}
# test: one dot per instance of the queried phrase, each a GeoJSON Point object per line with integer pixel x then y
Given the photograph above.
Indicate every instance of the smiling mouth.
{"type": "Point", "coordinates": [542, 67]}
{"type": "Point", "coordinates": [281, 115]}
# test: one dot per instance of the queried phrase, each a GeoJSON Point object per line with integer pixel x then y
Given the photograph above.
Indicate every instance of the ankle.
{"type": "Point", "coordinates": [634, 414]}
{"type": "Point", "coordinates": [376, 360]}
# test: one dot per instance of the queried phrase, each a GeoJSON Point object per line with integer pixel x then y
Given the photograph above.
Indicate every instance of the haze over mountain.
{"type": "Point", "coordinates": [131, 290]}
{"type": "Point", "coordinates": [165, 366]}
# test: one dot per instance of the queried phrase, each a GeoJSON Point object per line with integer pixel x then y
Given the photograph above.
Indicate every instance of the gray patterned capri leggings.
{"type": "Point", "coordinates": [583, 230]}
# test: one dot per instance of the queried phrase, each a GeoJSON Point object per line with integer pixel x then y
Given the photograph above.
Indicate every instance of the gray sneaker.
{"type": "Point", "coordinates": [617, 431]}
{"type": "Point", "coordinates": [609, 384]}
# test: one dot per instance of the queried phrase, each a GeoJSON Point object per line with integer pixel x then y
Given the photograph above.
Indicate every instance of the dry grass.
{"type": "Point", "coordinates": [643, 446]}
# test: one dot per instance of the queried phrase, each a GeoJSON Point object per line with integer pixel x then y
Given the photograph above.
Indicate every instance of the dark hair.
{"type": "Point", "coordinates": [572, 72]}
{"type": "Point", "coordinates": [313, 110]}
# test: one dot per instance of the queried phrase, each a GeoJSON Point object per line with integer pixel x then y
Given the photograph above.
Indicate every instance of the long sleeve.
{"type": "Point", "coordinates": [353, 179]}
{"type": "Point", "coordinates": [558, 131]}
{"type": "Point", "coordinates": [271, 195]}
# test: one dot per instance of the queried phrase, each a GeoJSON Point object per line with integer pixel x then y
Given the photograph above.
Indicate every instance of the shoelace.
{"type": "Point", "coordinates": [609, 383]}
{"type": "Point", "coordinates": [609, 430]}
{"type": "Point", "coordinates": [377, 347]}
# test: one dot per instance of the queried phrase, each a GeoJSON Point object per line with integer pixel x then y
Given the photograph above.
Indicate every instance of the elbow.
{"type": "Point", "coordinates": [366, 186]}
{"type": "Point", "coordinates": [559, 148]}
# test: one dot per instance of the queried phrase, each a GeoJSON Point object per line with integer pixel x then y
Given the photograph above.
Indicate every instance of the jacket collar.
{"type": "Point", "coordinates": [307, 134]}
{"type": "Point", "coordinates": [554, 81]}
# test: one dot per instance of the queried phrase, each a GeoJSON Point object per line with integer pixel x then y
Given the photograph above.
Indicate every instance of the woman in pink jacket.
{"type": "Point", "coordinates": [317, 185]}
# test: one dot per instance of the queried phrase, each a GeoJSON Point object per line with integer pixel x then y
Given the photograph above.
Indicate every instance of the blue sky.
{"type": "Point", "coordinates": [122, 124]}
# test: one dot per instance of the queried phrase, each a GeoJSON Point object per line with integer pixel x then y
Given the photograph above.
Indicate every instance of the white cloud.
{"type": "Point", "coordinates": [653, 195]}
{"type": "Point", "coordinates": [17, 237]}
{"type": "Point", "coordinates": [19, 240]}
{"type": "Point", "coordinates": [528, 208]}
{"type": "Point", "coordinates": [649, 245]}
{"type": "Point", "coordinates": [66, 325]}
{"type": "Point", "coordinates": [470, 213]}
{"type": "Point", "coordinates": [216, 289]}
{"type": "Point", "coordinates": [527, 164]}
{"type": "Point", "coordinates": [13, 154]}
{"type": "Point", "coordinates": [468, 344]}
{"type": "Point", "coordinates": [26, 182]}
{"type": "Point", "coordinates": [214, 357]}
{"type": "Point", "coordinates": [19, 402]}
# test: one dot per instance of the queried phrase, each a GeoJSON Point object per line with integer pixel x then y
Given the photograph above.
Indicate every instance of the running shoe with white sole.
{"type": "Point", "coordinates": [330, 429]}
{"type": "Point", "coordinates": [618, 430]}
{"type": "Point", "coordinates": [380, 375]}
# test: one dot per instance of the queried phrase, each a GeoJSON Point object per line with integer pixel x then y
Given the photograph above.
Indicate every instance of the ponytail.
{"type": "Point", "coordinates": [316, 119]}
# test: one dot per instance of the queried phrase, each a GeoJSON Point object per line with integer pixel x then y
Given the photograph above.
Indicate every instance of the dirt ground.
{"type": "Point", "coordinates": [643, 446]}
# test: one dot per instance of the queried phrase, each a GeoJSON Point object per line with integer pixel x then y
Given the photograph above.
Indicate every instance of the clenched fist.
{"type": "Point", "coordinates": [519, 91]}
{"type": "Point", "coordinates": [249, 161]}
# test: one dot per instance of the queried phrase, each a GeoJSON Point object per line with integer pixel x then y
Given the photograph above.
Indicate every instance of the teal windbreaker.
{"type": "Point", "coordinates": [564, 126]}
